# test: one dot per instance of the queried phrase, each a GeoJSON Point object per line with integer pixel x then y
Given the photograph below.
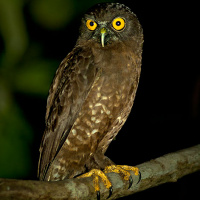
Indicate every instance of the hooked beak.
{"type": "Point", "coordinates": [103, 34]}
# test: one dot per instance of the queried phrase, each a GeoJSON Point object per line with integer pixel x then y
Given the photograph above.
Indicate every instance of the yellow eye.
{"type": "Point", "coordinates": [91, 24]}
{"type": "Point", "coordinates": [118, 23]}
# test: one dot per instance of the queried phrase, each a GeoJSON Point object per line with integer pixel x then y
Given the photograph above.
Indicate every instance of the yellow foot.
{"type": "Point", "coordinates": [123, 170]}
{"type": "Point", "coordinates": [98, 173]}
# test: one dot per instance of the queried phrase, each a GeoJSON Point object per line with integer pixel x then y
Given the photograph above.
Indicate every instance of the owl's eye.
{"type": "Point", "coordinates": [91, 24]}
{"type": "Point", "coordinates": [118, 23]}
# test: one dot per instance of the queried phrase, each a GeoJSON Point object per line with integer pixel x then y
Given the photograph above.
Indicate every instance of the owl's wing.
{"type": "Point", "coordinates": [71, 85]}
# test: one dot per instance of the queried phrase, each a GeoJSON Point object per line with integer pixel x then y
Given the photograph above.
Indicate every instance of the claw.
{"type": "Point", "coordinates": [110, 192]}
{"type": "Point", "coordinates": [98, 195]}
{"type": "Point", "coordinates": [140, 176]}
{"type": "Point", "coordinates": [130, 181]}
{"type": "Point", "coordinates": [96, 173]}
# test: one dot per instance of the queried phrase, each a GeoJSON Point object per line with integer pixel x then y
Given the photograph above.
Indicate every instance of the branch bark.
{"type": "Point", "coordinates": [168, 168]}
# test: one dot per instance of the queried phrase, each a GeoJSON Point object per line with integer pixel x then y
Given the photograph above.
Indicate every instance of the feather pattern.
{"type": "Point", "coordinates": [71, 85]}
{"type": "Point", "coordinates": [91, 95]}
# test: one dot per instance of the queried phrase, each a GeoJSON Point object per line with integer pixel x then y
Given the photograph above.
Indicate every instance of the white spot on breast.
{"type": "Point", "coordinates": [77, 121]}
{"type": "Point", "coordinates": [98, 94]}
{"type": "Point", "coordinates": [94, 131]}
{"type": "Point", "coordinates": [118, 97]}
{"type": "Point", "coordinates": [104, 97]}
{"type": "Point", "coordinates": [119, 118]}
{"type": "Point", "coordinates": [89, 123]}
{"type": "Point", "coordinates": [108, 112]}
{"type": "Point", "coordinates": [97, 121]}
{"type": "Point", "coordinates": [80, 128]}
{"type": "Point", "coordinates": [93, 118]}
{"type": "Point", "coordinates": [88, 134]}
{"type": "Point", "coordinates": [67, 141]}
{"type": "Point", "coordinates": [58, 167]}
{"type": "Point", "coordinates": [74, 131]}
{"type": "Point", "coordinates": [105, 109]}
{"type": "Point", "coordinates": [117, 104]}
{"type": "Point", "coordinates": [98, 104]}
{"type": "Point", "coordinates": [79, 138]}
{"type": "Point", "coordinates": [90, 105]}
{"type": "Point", "coordinates": [62, 161]}
{"type": "Point", "coordinates": [110, 96]}
{"type": "Point", "coordinates": [94, 112]}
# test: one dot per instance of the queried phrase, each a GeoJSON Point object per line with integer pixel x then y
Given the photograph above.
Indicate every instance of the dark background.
{"type": "Point", "coordinates": [36, 35]}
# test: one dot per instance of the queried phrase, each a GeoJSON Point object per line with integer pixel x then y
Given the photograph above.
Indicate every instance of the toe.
{"type": "Point", "coordinates": [98, 195]}
{"type": "Point", "coordinates": [96, 173]}
{"type": "Point", "coordinates": [130, 182]}
{"type": "Point", "coordinates": [110, 192]}
{"type": "Point", "coordinates": [140, 176]}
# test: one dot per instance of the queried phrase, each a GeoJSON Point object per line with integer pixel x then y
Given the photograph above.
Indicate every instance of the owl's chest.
{"type": "Point", "coordinates": [115, 82]}
{"type": "Point", "coordinates": [116, 75]}
{"type": "Point", "coordinates": [116, 65]}
{"type": "Point", "coordinates": [111, 89]}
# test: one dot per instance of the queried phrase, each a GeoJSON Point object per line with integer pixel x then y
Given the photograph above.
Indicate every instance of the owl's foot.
{"type": "Point", "coordinates": [98, 173]}
{"type": "Point", "coordinates": [123, 170]}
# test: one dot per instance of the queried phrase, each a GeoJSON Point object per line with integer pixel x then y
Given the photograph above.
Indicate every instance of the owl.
{"type": "Point", "coordinates": [91, 97]}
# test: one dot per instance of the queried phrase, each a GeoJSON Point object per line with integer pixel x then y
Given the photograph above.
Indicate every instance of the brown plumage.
{"type": "Point", "coordinates": [92, 93]}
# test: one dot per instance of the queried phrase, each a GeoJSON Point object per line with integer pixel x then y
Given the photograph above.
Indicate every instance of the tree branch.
{"type": "Point", "coordinates": [167, 168]}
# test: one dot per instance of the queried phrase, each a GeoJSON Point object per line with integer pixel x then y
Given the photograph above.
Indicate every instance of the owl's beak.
{"type": "Point", "coordinates": [103, 34]}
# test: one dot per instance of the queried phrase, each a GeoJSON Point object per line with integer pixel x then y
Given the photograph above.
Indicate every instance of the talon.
{"type": "Point", "coordinates": [130, 182]}
{"type": "Point", "coordinates": [110, 192]}
{"type": "Point", "coordinates": [96, 173]}
{"type": "Point", "coordinates": [140, 176]}
{"type": "Point", "coordinates": [98, 195]}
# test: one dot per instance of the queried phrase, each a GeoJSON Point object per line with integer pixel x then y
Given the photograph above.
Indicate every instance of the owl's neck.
{"type": "Point", "coordinates": [114, 58]}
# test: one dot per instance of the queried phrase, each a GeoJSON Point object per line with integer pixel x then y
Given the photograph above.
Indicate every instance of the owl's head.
{"type": "Point", "coordinates": [109, 24]}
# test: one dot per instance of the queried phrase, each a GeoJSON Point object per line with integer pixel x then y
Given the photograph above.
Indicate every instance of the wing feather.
{"type": "Point", "coordinates": [71, 85]}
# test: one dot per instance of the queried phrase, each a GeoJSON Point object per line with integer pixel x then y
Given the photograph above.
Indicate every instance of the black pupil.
{"type": "Point", "coordinates": [91, 23]}
{"type": "Point", "coordinates": [118, 23]}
